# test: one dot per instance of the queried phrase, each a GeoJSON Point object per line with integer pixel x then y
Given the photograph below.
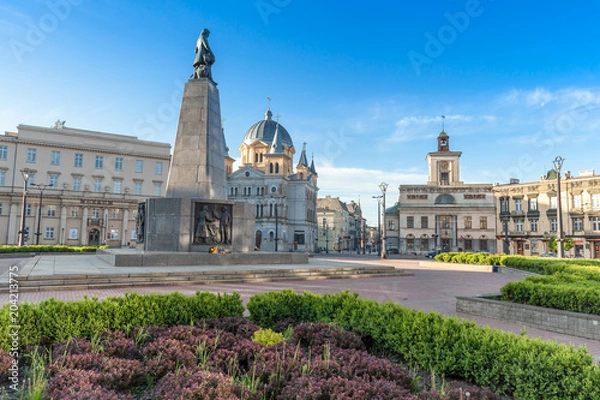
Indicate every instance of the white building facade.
{"type": "Point", "coordinates": [445, 214]}
{"type": "Point", "coordinates": [83, 186]}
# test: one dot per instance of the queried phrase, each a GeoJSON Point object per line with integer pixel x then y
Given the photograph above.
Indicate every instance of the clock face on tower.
{"type": "Point", "coordinates": [445, 164]}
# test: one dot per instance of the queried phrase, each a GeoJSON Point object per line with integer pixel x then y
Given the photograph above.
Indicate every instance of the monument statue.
{"type": "Point", "coordinates": [225, 226]}
{"type": "Point", "coordinates": [140, 222]}
{"type": "Point", "coordinates": [204, 57]}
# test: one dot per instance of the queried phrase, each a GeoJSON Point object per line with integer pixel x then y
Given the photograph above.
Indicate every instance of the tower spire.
{"type": "Point", "coordinates": [443, 119]}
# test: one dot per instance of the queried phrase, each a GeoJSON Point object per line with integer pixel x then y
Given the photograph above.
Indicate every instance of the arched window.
{"type": "Point", "coordinates": [445, 199]}
{"type": "Point", "coordinates": [271, 167]}
{"type": "Point", "coordinates": [276, 168]}
{"type": "Point", "coordinates": [255, 157]}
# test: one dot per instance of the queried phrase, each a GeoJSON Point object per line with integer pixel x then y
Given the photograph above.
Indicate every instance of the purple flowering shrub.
{"type": "Point", "coordinates": [6, 362]}
{"type": "Point", "coordinates": [216, 359]}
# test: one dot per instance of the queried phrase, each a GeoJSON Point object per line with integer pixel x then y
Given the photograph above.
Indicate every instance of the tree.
{"type": "Point", "coordinates": [568, 243]}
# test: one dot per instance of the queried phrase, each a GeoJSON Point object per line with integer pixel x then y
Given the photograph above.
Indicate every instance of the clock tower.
{"type": "Point", "coordinates": [444, 165]}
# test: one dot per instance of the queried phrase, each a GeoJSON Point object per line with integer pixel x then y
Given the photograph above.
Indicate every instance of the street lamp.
{"type": "Point", "coordinates": [383, 186]}
{"type": "Point", "coordinates": [378, 225]}
{"type": "Point", "coordinates": [26, 173]}
{"type": "Point", "coordinates": [41, 187]}
{"type": "Point", "coordinates": [558, 163]}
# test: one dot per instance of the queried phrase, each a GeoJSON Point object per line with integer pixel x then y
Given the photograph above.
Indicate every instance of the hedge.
{"type": "Point", "coordinates": [49, 249]}
{"type": "Point", "coordinates": [55, 321]}
{"type": "Point", "coordinates": [507, 363]}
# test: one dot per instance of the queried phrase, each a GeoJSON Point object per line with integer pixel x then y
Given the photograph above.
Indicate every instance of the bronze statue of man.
{"type": "Point", "coordinates": [204, 57]}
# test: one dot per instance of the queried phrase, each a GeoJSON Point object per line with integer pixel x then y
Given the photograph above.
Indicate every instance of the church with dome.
{"type": "Point", "coordinates": [284, 195]}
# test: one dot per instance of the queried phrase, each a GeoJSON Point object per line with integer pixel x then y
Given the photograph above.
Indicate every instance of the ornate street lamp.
{"type": "Point", "coordinates": [26, 173]}
{"type": "Point", "coordinates": [383, 186]}
{"type": "Point", "coordinates": [42, 187]}
{"type": "Point", "coordinates": [558, 164]}
{"type": "Point", "coordinates": [378, 225]}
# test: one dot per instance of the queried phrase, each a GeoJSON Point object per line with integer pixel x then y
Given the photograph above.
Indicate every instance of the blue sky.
{"type": "Point", "coordinates": [363, 83]}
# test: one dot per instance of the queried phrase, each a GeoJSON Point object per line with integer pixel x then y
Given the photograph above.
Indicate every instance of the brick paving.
{"type": "Point", "coordinates": [433, 287]}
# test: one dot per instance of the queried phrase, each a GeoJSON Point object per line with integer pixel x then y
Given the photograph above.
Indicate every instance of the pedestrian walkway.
{"type": "Point", "coordinates": [432, 286]}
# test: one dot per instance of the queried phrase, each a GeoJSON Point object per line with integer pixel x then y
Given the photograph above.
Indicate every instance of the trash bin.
{"type": "Point", "coordinates": [495, 268]}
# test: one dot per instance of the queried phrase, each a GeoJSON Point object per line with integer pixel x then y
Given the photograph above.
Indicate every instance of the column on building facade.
{"type": "Point", "coordinates": [63, 224]}
{"type": "Point", "coordinates": [455, 231]}
{"type": "Point", "coordinates": [83, 237]}
{"type": "Point", "coordinates": [437, 232]}
{"type": "Point", "coordinates": [12, 225]}
{"type": "Point", "coordinates": [124, 227]}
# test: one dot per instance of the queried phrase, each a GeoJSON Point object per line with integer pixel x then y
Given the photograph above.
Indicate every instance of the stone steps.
{"type": "Point", "coordinates": [104, 281]}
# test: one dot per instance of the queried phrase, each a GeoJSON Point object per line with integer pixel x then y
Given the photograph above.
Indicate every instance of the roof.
{"type": "Point", "coordinates": [265, 131]}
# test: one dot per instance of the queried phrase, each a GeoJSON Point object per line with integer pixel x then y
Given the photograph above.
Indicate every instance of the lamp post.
{"type": "Point", "coordinates": [42, 187]}
{"type": "Point", "coordinates": [378, 225]}
{"type": "Point", "coordinates": [25, 172]}
{"type": "Point", "coordinates": [383, 186]}
{"type": "Point", "coordinates": [558, 163]}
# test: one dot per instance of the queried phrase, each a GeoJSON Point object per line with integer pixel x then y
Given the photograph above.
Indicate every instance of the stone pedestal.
{"type": "Point", "coordinates": [171, 226]}
{"type": "Point", "coordinates": [198, 168]}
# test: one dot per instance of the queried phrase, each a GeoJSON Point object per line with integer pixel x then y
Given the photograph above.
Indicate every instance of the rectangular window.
{"type": "Point", "coordinates": [53, 181]}
{"type": "Point", "coordinates": [49, 233]}
{"type": "Point", "coordinates": [97, 185]}
{"type": "Point", "coordinates": [78, 160]}
{"type": "Point", "coordinates": [137, 188]}
{"type": "Point", "coordinates": [553, 225]}
{"type": "Point", "coordinates": [99, 162]}
{"type": "Point", "coordinates": [96, 213]}
{"type": "Point", "coordinates": [55, 158]}
{"type": "Point", "coordinates": [114, 234]}
{"type": "Point", "coordinates": [116, 213]}
{"type": "Point", "coordinates": [52, 211]}
{"type": "Point", "coordinates": [469, 222]}
{"type": "Point", "coordinates": [31, 155]}
{"type": "Point", "coordinates": [3, 152]}
{"type": "Point", "coordinates": [424, 222]}
{"type": "Point", "coordinates": [119, 164]}
{"type": "Point", "coordinates": [1, 207]}
{"type": "Point", "coordinates": [2, 178]}
{"type": "Point", "coordinates": [483, 223]}
{"type": "Point", "coordinates": [596, 223]}
{"type": "Point", "coordinates": [410, 222]}
{"type": "Point", "coordinates": [533, 225]}
{"type": "Point", "coordinates": [577, 224]}
{"type": "Point", "coordinates": [533, 204]}
{"type": "Point", "coordinates": [157, 189]}
{"type": "Point", "coordinates": [73, 234]}
{"type": "Point", "coordinates": [519, 205]}
{"type": "Point", "coordinates": [596, 201]}
{"type": "Point", "coordinates": [483, 244]}
{"type": "Point", "coordinates": [117, 187]}
{"type": "Point", "coordinates": [29, 210]}
{"type": "Point", "coordinates": [77, 184]}
{"type": "Point", "coordinates": [31, 180]}
{"type": "Point", "coordinates": [139, 166]}
{"type": "Point", "coordinates": [158, 168]}
{"type": "Point", "coordinates": [391, 225]}
{"type": "Point", "coordinates": [74, 212]}
{"type": "Point", "coordinates": [445, 221]}
{"type": "Point", "coordinates": [553, 202]}
{"type": "Point", "coordinates": [577, 201]}
{"type": "Point", "coordinates": [504, 205]}
{"type": "Point", "coordinates": [519, 225]}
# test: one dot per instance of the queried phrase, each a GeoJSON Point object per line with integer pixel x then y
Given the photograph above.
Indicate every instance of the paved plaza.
{"type": "Point", "coordinates": [431, 287]}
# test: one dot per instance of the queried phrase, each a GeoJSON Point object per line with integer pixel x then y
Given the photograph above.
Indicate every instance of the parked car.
{"type": "Point", "coordinates": [392, 250]}
{"type": "Point", "coordinates": [433, 253]}
{"type": "Point", "coordinates": [548, 255]}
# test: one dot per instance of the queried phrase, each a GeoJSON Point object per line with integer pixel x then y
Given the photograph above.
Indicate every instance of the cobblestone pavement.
{"type": "Point", "coordinates": [433, 287]}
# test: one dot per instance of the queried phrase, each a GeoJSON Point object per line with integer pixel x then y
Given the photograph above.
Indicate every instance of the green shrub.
{"type": "Point", "coordinates": [49, 249]}
{"type": "Point", "coordinates": [267, 337]}
{"type": "Point", "coordinates": [508, 363]}
{"type": "Point", "coordinates": [53, 320]}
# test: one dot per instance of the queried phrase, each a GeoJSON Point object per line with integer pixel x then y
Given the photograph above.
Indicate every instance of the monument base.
{"type": "Point", "coordinates": [196, 225]}
{"type": "Point", "coordinates": [133, 258]}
